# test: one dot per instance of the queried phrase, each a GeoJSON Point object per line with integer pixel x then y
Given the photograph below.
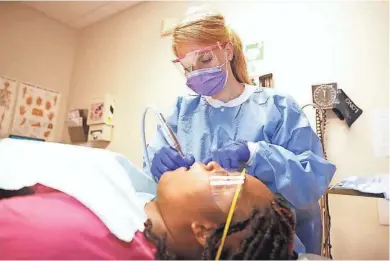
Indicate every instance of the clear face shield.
{"type": "Point", "coordinates": [225, 189]}
{"type": "Point", "coordinates": [204, 58]}
{"type": "Point", "coordinates": [223, 185]}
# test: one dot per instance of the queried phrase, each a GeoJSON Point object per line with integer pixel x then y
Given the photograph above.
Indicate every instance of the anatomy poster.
{"type": "Point", "coordinates": [8, 90]}
{"type": "Point", "coordinates": [35, 112]}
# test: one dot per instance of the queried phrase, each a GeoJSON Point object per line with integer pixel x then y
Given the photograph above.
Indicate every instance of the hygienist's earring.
{"type": "Point", "coordinates": [231, 58]}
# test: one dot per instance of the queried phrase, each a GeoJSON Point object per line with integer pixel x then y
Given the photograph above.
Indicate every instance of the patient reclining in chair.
{"type": "Point", "coordinates": [77, 217]}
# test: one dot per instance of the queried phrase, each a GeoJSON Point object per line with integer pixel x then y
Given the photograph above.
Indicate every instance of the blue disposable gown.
{"type": "Point", "coordinates": [288, 156]}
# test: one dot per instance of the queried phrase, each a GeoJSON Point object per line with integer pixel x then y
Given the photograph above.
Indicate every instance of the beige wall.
{"type": "Point", "coordinates": [37, 50]}
{"type": "Point", "coordinates": [126, 57]}
{"type": "Point", "coordinates": [304, 44]}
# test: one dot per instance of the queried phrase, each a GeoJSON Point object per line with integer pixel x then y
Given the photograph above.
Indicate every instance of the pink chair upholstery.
{"type": "Point", "coordinates": [53, 225]}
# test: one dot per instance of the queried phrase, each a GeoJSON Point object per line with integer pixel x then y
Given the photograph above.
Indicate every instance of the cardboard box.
{"type": "Point", "coordinates": [100, 132]}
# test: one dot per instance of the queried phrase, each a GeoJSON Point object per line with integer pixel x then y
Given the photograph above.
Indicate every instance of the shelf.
{"type": "Point", "coordinates": [352, 192]}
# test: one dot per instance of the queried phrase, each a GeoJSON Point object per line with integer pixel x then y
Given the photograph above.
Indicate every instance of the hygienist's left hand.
{"type": "Point", "coordinates": [231, 156]}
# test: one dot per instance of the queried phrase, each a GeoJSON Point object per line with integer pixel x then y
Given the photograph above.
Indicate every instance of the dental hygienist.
{"type": "Point", "coordinates": [234, 123]}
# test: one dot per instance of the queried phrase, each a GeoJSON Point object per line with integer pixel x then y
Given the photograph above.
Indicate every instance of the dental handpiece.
{"type": "Point", "coordinates": [169, 135]}
{"type": "Point", "coordinates": [167, 132]}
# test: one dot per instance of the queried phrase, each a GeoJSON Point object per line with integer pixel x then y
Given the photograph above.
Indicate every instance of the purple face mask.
{"type": "Point", "coordinates": [207, 82]}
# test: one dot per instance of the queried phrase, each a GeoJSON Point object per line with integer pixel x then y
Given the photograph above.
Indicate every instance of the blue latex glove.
{"type": "Point", "coordinates": [231, 156]}
{"type": "Point", "coordinates": [167, 159]}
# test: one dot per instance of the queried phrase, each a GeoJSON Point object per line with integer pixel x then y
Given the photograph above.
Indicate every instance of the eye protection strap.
{"type": "Point", "coordinates": [229, 217]}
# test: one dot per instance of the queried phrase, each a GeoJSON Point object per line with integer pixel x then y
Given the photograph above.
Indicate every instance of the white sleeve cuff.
{"type": "Point", "coordinates": [252, 146]}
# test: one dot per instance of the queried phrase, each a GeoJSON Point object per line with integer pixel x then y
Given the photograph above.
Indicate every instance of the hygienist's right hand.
{"type": "Point", "coordinates": [167, 159]}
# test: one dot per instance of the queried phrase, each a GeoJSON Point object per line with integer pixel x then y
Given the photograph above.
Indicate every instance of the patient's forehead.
{"type": "Point", "coordinates": [254, 194]}
{"type": "Point", "coordinates": [257, 190]}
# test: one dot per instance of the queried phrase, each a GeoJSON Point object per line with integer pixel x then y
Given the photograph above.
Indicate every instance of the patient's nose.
{"type": "Point", "coordinates": [213, 166]}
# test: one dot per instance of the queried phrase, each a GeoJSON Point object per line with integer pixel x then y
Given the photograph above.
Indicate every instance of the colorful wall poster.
{"type": "Point", "coordinates": [35, 112]}
{"type": "Point", "coordinates": [97, 111]}
{"type": "Point", "coordinates": [8, 90]}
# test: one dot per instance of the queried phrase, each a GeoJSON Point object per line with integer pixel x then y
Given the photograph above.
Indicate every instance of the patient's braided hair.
{"type": "Point", "coordinates": [271, 236]}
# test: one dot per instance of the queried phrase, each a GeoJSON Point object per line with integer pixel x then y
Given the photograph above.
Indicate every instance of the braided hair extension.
{"type": "Point", "coordinates": [162, 252]}
{"type": "Point", "coordinates": [271, 236]}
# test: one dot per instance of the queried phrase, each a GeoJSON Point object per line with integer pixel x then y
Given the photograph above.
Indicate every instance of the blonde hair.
{"type": "Point", "coordinates": [209, 28]}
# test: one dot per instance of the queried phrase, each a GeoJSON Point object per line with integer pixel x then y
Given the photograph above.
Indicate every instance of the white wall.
{"type": "Point", "coordinates": [338, 42]}
{"type": "Point", "coordinates": [305, 43]}
{"type": "Point", "coordinates": [37, 50]}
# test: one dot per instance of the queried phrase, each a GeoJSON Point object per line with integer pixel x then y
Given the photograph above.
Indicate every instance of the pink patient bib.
{"type": "Point", "coordinates": [53, 225]}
